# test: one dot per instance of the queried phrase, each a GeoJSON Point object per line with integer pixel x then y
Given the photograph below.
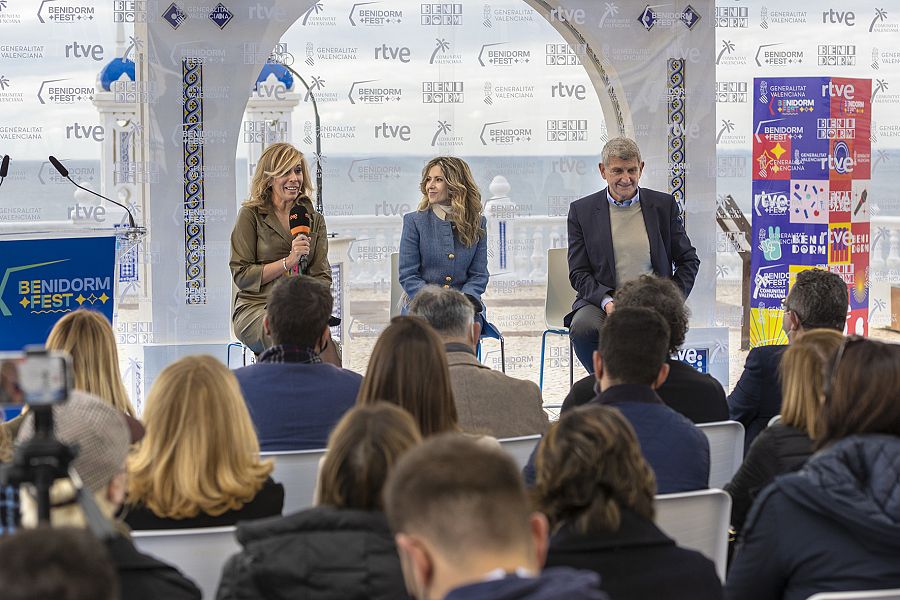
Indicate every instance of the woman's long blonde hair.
{"type": "Point", "coordinates": [802, 378]}
{"type": "Point", "coordinates": [276, 161]}
{"type": "Point", "coordinates": [88, 338]}
{"type": "Point", "coordinates": [465, 197]}
{"type": "Point", "coordinates": [200, 452]}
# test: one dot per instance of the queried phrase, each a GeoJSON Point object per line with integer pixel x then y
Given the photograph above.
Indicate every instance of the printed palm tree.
{"type": "Point", "coordinates": [317, 84]}
{"type": "Point", "coordinates": [442, 46]}
{"type": "Point", "coordinates": [134, 44]}
{"type": "Point", "coordinates": [726, 47]}
{"type": "Point", "coordinates": [718, 348]}
{"type": "Point", "coordinates": [880, 15]}
{"type": "Point", "coordinates": [2, 4]}
{"type": "Point", "coordinates": [317, 8]}
{"type": "Point", "coordinates": [722, 271]}
{"type": "Point", "coordinates": [4, 82]}
{"type": "Point", "coordinates": [727, 125]}
{"type": "Point", "coordinates": [443, 127]}
{"type": "Point", "coordinates": [882, 156]}
{"type": "Point", "coordinates": [611, 11]}
{"type": "Point", "coordinates": [878, 305]}
{"type": "Point", "coordinates": [880, 86]}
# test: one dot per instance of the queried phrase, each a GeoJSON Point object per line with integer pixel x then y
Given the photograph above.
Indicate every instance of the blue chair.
{"type": "Point", "coordinates": [490, 331]}
{"type": "Point", "coordinates": [558, 303]}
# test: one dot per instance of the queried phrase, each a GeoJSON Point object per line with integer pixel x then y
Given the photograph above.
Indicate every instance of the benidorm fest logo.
{"type": "Point", "coordinates": [54, 295]}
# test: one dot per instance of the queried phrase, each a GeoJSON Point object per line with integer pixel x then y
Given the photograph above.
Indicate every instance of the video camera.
{"type": "Point", "coordinates": [42, 379]}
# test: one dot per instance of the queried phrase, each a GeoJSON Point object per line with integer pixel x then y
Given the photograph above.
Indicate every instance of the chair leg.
{"type": "Point", "coordinates": [571, 364]}
{"type": "Point", "coordinates": [543, 350]}
{"type": "Point", "coordinates": [502, 354]}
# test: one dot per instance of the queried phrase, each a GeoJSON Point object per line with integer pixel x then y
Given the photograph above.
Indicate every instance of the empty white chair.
{"type": "Point", "coordinates": [557, 304]}
{"type": "Point", "coordinates": [726, 450]}
{"type": "Point", "coordinates": [699, 521]}
{"type": "Point", "coordinates": [773, 420]}
{"type": "Point", "coordinates": [198, 553]}
{"type": "Point", "coordinates": [396, 288]}
{"type": "Point", "coordinates": [297, 471]}
{"type": "Point", "coordinates": [872, 595]}
{"type": "Point", "coordinates": [520, 447]}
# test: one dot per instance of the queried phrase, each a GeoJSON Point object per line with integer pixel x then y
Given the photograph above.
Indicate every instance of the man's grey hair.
{"type": "Point", "coordinates": [448, 311]}
{"type": "Point", "coordinates": [819, 298]}
{"type": "Point", "coordinates": [622, 148]}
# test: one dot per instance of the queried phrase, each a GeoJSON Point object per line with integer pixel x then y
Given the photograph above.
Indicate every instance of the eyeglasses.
{"type": "Point", "coordinates": [828, 383]}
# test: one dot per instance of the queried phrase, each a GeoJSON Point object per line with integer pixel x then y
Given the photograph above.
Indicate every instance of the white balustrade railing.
{"type": "Point", "coordinates": [527, 240]}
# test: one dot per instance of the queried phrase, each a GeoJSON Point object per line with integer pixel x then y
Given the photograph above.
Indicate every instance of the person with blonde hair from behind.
{"type": "Point", "coordinates": [343, 547]}
{"type": "Point", "coordinates": [102, 437]}
{"type": "Point", "coordinates": [597, 491]}
{"type": "Point", "coordinates": [87, 336]}
{"type": "Point", "coordinates": [408, 367]}
{"type": "Point", "coordinates": [785, 446]}
{"type": "Point", "coordinates": [198, 465]}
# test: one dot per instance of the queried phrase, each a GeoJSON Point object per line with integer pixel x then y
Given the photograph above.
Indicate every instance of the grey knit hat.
{"type": "Point", "coordinates": [100, 432]}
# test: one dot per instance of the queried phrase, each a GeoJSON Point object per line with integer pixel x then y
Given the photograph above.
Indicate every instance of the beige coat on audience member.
{"type": "Point", "coordinates": [491, 403]}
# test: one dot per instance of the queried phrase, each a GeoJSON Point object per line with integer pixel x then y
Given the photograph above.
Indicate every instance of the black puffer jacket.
{"type": "Point", "coordinates": [322, 553]}
{"type": "Point", "coordinates": [832, 526]}
{"type": "Point", "coordinates": [779, 449]}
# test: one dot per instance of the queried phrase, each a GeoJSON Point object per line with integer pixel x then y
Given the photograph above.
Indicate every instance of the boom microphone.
{"type": "Point", "coordinates": [300, 223]}
{"type": "Point", "coordinates": [4, 168]}
{"type": "Point", "coordinates": [65, 173]}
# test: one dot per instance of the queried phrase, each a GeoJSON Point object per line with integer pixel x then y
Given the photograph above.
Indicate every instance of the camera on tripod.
{"type": "Point", "coordinates": [42, 379]}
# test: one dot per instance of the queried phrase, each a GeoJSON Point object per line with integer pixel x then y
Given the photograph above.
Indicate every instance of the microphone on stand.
{"type": "Point", "coordinates": [65, 173]}
{"type": "Point", "coordinates": [4, 168]}
{"type": "Point", "coordinates": [300, 223]}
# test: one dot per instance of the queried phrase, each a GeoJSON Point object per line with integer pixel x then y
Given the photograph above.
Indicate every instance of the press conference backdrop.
{"type": "Point", "coordinates": [397, 82]}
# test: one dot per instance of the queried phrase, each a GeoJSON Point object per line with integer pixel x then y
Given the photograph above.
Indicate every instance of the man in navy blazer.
{"type": "Point", "coordinates": [818, 299]}
{"type": "Point", "coordinates": [606, 247]}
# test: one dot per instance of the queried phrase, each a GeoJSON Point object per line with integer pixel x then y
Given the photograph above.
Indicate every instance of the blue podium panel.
{"type": "Point", "coordinates": [41, 280]}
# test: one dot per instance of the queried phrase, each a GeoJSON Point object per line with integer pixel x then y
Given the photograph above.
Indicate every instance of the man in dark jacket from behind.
{"type": "Point", "coordinates": [818, 299]}
{"type": "Point", "coordinates": [698, 396]}
{"type": "Point", "coordinates": [465, 531]}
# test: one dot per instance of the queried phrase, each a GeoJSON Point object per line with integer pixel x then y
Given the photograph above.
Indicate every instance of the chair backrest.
{"type": "Point", "coordinates": [298, 472]}
{"type": "Point", "coordinates": [699, 521]}
{"type": "Point", "coordinates": [198, 553]}
{"type": "Point", "coordinates": [726, 450]}
{"type": "Point", "coordinates": [773, 420]}
{"type": "Point", "coordinates": [520, 447]}
{"type": "Point", "coordinates": [872, 595]}
{"type": "Point", "coordinates": [560, 294]}
{"type": "Point", "coordinates": [396, 288]}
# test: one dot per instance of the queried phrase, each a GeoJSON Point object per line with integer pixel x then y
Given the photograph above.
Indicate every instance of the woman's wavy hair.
{"type": "Point", "coordinates": [276, 161]}
{"type": "Point", "coordinates": [862, 393]}
{"type": "Point", "coordinates": [88, 338]}
{"type": "Point", "coordinates": [465, 197]}
{"type": "Point", "coordinates": [802, 379]}
{"type": "Point", "coordinates": [200, 452]}
{"type": "Point", "coordinates": [589, 467]}
{"type": "Point", "coordinates": [408, 368]}
{"type": "Point", "coordinates": [362, 450]}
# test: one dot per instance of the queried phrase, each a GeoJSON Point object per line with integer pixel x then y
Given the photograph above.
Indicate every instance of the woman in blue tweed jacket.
{"type": "Point", "coordinates": [444, 242]}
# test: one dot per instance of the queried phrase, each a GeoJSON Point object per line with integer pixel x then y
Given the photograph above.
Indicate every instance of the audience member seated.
{"type": "Point", "coordinates": [597, 491]}
{"type": "Point", "coordinates": [198, 465]}
{"type": "Point", "coordinates": [89, 339]}
{"type": "Point", "coordinates": [464, 529]}
{"type": "Point", "coordinates": [56, 564]}
{"type": "Point", "coordinates": [343, 548]}
{"type": "Point", "coordinates": [294, 398]}
{"type": "Point", "coordinates": [785, 446]}
{"type": "Point", "coordinates": [408, 367]}
{"type": "Point", "coordinates": [818, 299]}
{"type": "Point", "coordinates": [487, 402]}
{"type": "Point", "coordinates": [698, 396]}
{"type": "Point", "coordinates": [835, 524]}
{"type": "Point", "coordinates": [630, 364]}
{"type": "Point", "coordinates": [103, 439]}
